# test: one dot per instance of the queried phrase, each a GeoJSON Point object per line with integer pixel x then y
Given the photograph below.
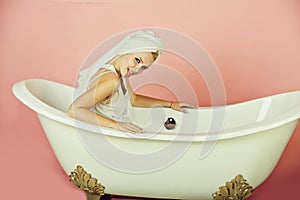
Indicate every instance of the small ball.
{"type": "Point", "coordinates": [170, 123]}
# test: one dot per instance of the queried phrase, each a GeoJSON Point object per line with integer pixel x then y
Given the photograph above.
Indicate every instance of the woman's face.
{"type": "Point", "coordinates": [135, 63]}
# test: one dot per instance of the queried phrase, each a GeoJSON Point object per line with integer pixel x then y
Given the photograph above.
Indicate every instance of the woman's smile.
{"type": "Point", "coordinates": [129, 73]}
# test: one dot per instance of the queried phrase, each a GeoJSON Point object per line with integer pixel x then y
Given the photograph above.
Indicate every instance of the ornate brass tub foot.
{"type": "Point", "coordinates": [84, 181]}
{"type": "Point", "coordinates": [237, 189]}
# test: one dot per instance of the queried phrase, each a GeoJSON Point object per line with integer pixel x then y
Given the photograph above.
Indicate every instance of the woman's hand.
{"type": "Point", "coordinates": [127, 127]}
{"type": "Point", "coordinates": [180, 106]}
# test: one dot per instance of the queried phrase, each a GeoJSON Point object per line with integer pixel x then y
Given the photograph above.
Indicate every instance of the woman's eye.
{"type": "Point", "coordinates": [138, 60]}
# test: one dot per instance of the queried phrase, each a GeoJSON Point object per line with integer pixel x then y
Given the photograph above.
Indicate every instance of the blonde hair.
{"type": "Point", "coordinates": [155, 55]}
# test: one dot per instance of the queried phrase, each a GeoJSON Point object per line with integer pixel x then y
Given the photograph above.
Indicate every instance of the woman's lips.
{"type": "Point", "coordinates": [129, 73]}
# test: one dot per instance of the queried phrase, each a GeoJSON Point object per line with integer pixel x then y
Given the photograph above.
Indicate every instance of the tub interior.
{"type": "Point", "coordinates": [56, 95]}
{"type": "Point", "coordinates": [200, 120]}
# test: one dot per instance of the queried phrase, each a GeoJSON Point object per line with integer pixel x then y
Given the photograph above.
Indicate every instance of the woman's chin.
{"type": "Point", "coordinates": [124, 73]}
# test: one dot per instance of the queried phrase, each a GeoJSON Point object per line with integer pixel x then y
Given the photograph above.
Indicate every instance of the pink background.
{"type": "Point", "coordinates": [256, 45]}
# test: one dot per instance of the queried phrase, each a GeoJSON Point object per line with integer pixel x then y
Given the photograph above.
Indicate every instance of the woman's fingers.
{"type": "Point", "coordinates": [186, 105]}
{"type": "Point", "coordinates": [128, 127]}
{"type": "Point", "coordinates": [180, 106]}
{"type": "Point", "coordinates": [133, 128]}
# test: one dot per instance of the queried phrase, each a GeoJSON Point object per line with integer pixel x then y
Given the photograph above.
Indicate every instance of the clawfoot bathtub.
{"type": "Point", "coordinates": [208, 146]}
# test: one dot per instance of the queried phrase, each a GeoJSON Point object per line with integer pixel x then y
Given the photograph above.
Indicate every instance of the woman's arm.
{"type": "Point", "coordinates": [147, 102]}
{"type": "Point", "coordinates": [80, 108]}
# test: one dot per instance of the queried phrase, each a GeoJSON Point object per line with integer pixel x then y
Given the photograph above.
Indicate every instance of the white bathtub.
{"type": "Point", "coordinates": [179, 164]}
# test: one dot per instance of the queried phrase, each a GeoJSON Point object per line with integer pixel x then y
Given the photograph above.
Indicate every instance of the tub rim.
{"type": "Point", "coordinates": [22, 93]}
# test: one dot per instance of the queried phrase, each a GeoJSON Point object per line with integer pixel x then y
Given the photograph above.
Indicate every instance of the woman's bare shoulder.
{"type": "Point", "coordinates": [105, 76]}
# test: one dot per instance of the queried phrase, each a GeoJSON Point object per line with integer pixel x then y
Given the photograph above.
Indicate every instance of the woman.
{"type": "Point", "coordinates": [104, 93]}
